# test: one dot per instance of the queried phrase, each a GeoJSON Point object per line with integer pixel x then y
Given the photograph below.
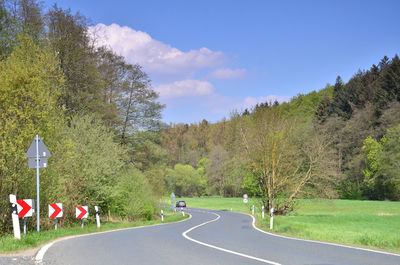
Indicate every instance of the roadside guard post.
{"type": "Point", "coordinates": [55, 211]}
{"type": "Point", "coordinates": [82, 212]}
{"type": "Point", "coordinates": [25, 208]}
{"type": "Point", "coordinates": [96, 208]}
{"type": "Point", "coordinates": [14, 215]}
{"type": "Point", "coordinates": [162, 216]}
{"type": "Point", "coordinates": [271, 220]}
{"type": "Point", "coordinates": [37, 158]}
{"type": "Point", "coordinates": [252, 210]}
{"type": "Point", "coordinates": [262, 212]}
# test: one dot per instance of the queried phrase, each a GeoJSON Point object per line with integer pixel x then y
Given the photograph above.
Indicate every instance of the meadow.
{"type": "Point", "coordinates": [372, 224]}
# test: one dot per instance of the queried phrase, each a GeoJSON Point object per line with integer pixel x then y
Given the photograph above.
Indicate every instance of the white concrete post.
{"type": "Point", "coordinates": [96, 208]}
{"type": "Point", "coordinates": [162, 216]}
{"type": "Point", "coordinates": [262, 212]}
{"type": "Point", "coordinates": [14, 215]}
{"type": "Point", "coordinates": [271, 220]}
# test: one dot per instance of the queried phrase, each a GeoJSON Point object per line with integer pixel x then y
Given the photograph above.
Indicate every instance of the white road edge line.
{"type": "Point", "coordinates": [184, 234]}
{"type": "Point", "coordinates": [40, 254]}
{"type": "Point", "coordinates": [318, 242]}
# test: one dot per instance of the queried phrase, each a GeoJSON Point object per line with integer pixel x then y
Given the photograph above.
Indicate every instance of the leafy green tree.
{"type": "Point", "coordinates": [133, 197]}
{"type": "Point", "coordinates": [30, 85]}
{"type": "Point", "coordinates": [382, 167]}
{"type": "Point", "coordinates": [68, 38]}
{"type": "Point", "coordinates": [184, 180]}
{"type": "Point", "coordinates": [86, 161]}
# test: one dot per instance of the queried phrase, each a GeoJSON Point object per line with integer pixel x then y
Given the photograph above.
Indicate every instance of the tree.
{"type": "Point", "coordinates": [281, 166]}
{"type": "Point", "coordinates": [30, 85]}
{"type": "Point", "coordinates": [68, 38]}
{"type": "Point", "coordinates": [138, 105]}
{"type": "Point", "coordinates": [184, 180]}
{"type": "Point", "coordinates": [382, 165]}
{"type": "Point", "coordinates": [86, 161]}
{"type": "Point", "coordinates": [217, 169]}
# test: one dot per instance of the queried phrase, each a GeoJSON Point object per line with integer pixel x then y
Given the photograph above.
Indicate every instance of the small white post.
{"type": "Point", "coordinates": [162, 216]}
{"type": "Point", "coordinates": [231, 209]}
{"type": "Point", "coordinates": [96, 208]}
{"type": "Point", "coordinates": [183, 213]}
{"type": "Point", "coordinates": [14, 215]}
{"type": "Point", "coordinates": [82, 222]}
{"type": "Point", "coordinates": [252, 210]}
{"type": "Point", "coordinates": [262, 212]}
{"type": "Point", "coordinates": [271, 220]}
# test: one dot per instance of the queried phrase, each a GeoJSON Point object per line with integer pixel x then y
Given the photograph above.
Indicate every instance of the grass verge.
{"type": "Point", "coordinates": [372, 224]}
{"type": "Point", "coordinates": [8, 244]}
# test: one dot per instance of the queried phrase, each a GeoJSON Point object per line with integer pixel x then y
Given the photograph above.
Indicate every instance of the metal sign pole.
{"type": "Point", "coordinates": [37, 183]}
{"type": "Point", "coordinates": [56, 223]}
{"type": "Point", "coordinates": [24, 225]}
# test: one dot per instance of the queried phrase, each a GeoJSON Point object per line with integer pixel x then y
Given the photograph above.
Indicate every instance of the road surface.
{"type": "Point", "coordinates": [209, 237]}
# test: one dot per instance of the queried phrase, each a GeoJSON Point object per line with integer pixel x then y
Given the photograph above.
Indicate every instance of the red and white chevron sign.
{"type": "Point", "coordinates": [24, 208]}
{"type": "Point", "coordinates": [55, 210]}
{"type": "Point", "coordinates": [82, 212]}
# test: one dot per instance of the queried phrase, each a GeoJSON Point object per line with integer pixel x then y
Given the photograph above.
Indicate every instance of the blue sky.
{"type": "Point", "coordinates": [207, 58]}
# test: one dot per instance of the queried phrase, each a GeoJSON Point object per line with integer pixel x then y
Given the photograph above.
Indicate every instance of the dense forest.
{"type": "Point", "coordinates": [101, 120]}
{"type": "Point", "coordinates": [353, 129]}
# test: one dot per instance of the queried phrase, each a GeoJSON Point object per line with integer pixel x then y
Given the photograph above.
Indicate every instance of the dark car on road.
{"type": "Point", "coordinates": [180, 204]}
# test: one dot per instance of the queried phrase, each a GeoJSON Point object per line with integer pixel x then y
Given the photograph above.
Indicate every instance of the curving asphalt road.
{"type": "Point", "coordinates": [209, 237]}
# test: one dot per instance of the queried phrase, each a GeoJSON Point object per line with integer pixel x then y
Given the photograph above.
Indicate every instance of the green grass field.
{"type": "Point", "coordinates": [8, 244]}
{"type": "Point", "coordinates": [373, 224]}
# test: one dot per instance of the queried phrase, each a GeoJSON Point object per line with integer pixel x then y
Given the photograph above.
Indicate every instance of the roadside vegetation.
{"type": "Point", "coordinates": [371, 224]}
{"type": "Point", "coordinates": [100, 118]}
{"type": "Point", "coordinates": [33, 239]}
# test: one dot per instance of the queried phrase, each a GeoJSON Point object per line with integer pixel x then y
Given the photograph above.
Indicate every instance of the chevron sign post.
{"type": "Point", "coordinates": [25, 209]}
{"type": "Point", "coordinates": [82, 212]}
{"type": "Point", "coordinates": [55, 211]}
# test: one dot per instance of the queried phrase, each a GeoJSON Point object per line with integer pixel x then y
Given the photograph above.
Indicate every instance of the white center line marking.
{"type": "Point", "coordinates": [184, 234]}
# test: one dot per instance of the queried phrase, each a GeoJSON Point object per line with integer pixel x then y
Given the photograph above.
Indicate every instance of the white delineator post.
{"type": "Point", "coordinates": [252, 210]}
{"type": "Point", "coordinates": [262, 212]}
{"type": "Point", "coordinates": [162, 216]}
{"type": "Point", "coordinates": [14, 215]}
{"type": "Point", "coordinates": [271, 220]}
{"type": "Point", "coordinates": [96, 208]}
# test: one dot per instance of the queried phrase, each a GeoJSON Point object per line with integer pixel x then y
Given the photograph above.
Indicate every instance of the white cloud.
{"type": "Point", "coordinates": [139, 47]}
{"type": "Point", "coordinates": [185, 88]}
{"type": "Point", "coordinates": [226, 73]}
